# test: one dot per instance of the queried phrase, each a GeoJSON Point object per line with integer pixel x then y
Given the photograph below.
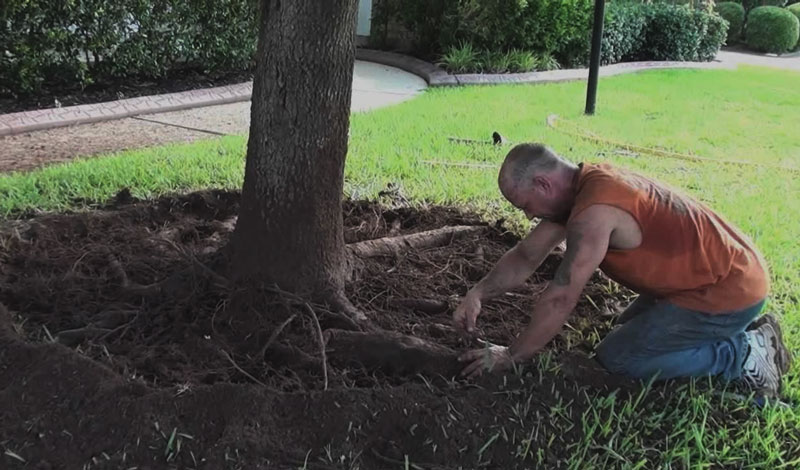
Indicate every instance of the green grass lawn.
{"type": "Point", "coordinates": [749, 115]}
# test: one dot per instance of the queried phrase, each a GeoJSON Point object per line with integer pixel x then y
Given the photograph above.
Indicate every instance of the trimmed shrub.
{"type": "Point", "coordinates": [672, 33]}
{"type": "Point", "coordinates": [795, 9]}
{"type": "Point", "coordinates": [716, 32]}
{"type": "Point", "coordinates": [734, 15]}
{"type": "Point", "coordinates": [750, 4]}
{"type": "Point", "coordinates": [772, 29]}
{"type": "Point", "coordinates": [659, 32]}
{"type": "Point", "coordinates": [622, 32]}
{"type": "Point", "coordinates": [556, 27]}
{"type": "Point", "coordinates": [79, 42]}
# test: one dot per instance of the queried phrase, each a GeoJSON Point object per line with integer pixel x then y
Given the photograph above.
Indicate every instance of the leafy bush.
{"type": "Point", "coordinates": [772, 29]}
{"type": "Point", "coordinates": [622, 32]}
{"type": "Point", "coordinates": [672, 33]}
{"type": "Point", "coordinates": [716, 33]}
{"type": "Point", "coordinates": [559, 30]}
{"type": "Point", "coordinates": [80, 42]}
{"type": "Point", "coordinates": [734, 15]}
{"type": "Point", "coordinates": [556, 27]}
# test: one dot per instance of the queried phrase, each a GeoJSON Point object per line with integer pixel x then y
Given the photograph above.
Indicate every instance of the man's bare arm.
{"type": "Point", "coordinates": [520, 262]}
{"type": "Point", "coordinates": [587, 243]}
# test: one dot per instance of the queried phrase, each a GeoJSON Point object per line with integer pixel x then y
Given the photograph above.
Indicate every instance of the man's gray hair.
{"type": "Point", "coordinates": [524, 161]}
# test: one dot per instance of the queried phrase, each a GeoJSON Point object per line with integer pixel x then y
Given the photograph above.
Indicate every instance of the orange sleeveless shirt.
{"type": "Point", "coordinates": [689, 255]}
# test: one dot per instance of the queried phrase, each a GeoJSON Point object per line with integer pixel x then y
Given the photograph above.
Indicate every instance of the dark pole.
{"type": "Point", "coordinates": [594, 60]}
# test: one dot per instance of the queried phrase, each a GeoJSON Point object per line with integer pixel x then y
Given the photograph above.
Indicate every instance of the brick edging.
{"type": "Point", "coordinates": [436, 76]}
{"type": "Point", "coordinates": [39, 119]}
{"type": "Point", "coordinates": [28, 121]}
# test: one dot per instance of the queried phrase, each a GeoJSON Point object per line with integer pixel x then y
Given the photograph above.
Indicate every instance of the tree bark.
{"type": "Point", "coordinates": [289, 230]}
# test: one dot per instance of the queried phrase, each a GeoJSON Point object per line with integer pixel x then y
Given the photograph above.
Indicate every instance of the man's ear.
{"type": "Point", "coordinates": [541, 183]}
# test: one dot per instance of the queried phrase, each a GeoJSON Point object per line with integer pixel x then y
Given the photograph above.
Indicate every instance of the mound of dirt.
{"type": "Point", "coordinates": [123, 346]}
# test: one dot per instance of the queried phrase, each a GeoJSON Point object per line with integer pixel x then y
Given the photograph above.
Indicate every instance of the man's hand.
{"type": "Point", "coordinates": [492, 358]}
{"type": "Point", "coordinates": [467, 312]}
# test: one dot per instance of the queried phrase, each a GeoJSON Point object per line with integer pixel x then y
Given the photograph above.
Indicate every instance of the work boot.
{"type": "Point", "coordinates": [767, 358]}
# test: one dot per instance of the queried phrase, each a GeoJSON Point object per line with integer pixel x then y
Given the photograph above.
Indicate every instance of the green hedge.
{"type": "Point", "coordinates": [79, 42]}
{"type": "Point", "coordinates": [84, 41]}
{"type": "Point", "coordinates": [734, 15]}
{"type": "Point", "coordinates": [622, 32]}
{"type": "Point", "coordinates": [560, 28]}
{"type": "Point", "coordinates": [680, 33]}
{"type": "Point", "coordinates": [772, 29]}
{"type": "Point", "coordinates": [555, 27]}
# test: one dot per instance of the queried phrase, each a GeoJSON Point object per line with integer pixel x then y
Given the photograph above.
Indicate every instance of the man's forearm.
{"type": "Point", "coordinates": [510, 271]}
{"type": "Point", "coordinates": [547, 319]}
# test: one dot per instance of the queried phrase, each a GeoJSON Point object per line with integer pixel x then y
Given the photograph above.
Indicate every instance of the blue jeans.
{"type": "Point", "coordinates": [658, 337]}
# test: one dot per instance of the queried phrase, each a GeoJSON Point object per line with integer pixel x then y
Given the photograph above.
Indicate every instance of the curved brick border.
{"type": "Point", "coordinates": [436, 76]}
{"type": "Point", "coordinates": [28, 121]}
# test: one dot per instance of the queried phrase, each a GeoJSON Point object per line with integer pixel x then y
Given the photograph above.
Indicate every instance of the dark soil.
{"type": "Point", "coordinates": [131, 87]}
{"type": "Point", "coordinates": [174, 373]}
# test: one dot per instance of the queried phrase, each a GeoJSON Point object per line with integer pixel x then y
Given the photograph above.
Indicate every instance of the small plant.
{"type": "Point", "coordinates": [496, 62]}
{"type": "Point", "coordinates": [546, 62]}
{"type": "Point", "coordinates": [734, 14]}
{"type": "Point", "coordinates": [461, 59]}
{"type": "Point", "coordinates": [522, 61]}
{"type": "Point", "coordinates": [772, 29]}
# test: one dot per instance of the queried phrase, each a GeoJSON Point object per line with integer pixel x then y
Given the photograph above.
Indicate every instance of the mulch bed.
{"type": "Point", "coordinates": [123, 346]}
{"type": "Point", "coordinates": [132, 87]}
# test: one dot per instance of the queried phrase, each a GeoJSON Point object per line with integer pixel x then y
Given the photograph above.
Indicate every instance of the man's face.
{"type": "Point", "coordinates": [537, 200]}
{"type": "Point", "coordinates": [529, 200]}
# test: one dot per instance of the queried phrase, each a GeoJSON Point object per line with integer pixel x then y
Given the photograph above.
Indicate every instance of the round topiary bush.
{"type": "Point", "coordinates": [772, 29]}
{"type": "Point", "coordinates": [795, 9]}
{"type": "Point", "coordinates": [734, 14]}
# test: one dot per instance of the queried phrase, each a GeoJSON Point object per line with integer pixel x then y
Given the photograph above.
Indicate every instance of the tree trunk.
{"type": "Point", "coordinates": [289, 230]}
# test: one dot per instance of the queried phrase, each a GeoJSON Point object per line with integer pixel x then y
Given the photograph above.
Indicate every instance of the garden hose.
{"type": "Point", "coordinates": [556, 123]}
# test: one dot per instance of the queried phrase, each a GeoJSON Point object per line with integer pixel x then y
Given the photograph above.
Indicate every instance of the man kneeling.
{"type": "Point", "coordinates": [701, 282]}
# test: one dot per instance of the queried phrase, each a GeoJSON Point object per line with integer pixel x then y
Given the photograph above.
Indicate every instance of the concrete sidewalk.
{"type": "Point", "coordinates": [374, 86]}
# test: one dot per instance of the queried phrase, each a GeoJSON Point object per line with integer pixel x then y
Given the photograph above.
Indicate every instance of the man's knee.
{"type": "Point", "coordinates": [621, 358]}
{"type": "Point", "coordinates": [613, 355]}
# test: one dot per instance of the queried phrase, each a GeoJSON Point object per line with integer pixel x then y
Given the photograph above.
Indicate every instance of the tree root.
{"type": "Point", "coordinates": [392, 353]}
{"type": "Point", "coordinates": [76, 336]}
{"type": "Point", "coordinates": [114, 318]}
{"type": "Point", "coordinates": [321, 345]}
{"type": "Point", "coordinates": [274, 335]}
{"type": "Point", "coordinates": [429, 306]}
{"type": "Point", "coordinates": [237, 367]}
{"type": "Point", "coordinates": [397, 245]}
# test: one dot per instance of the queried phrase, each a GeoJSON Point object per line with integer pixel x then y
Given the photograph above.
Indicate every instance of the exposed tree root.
{"type": "Point", "coordinates": [391, 352]}
{"type": "Point", "coordinates": [78, 335]}
{"type": "Point", "coordinates": [397, 245]}
{"type": "Point", "coordinates": [429, 306]}
{"type": "Point", "coordinates": [321, 345]}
